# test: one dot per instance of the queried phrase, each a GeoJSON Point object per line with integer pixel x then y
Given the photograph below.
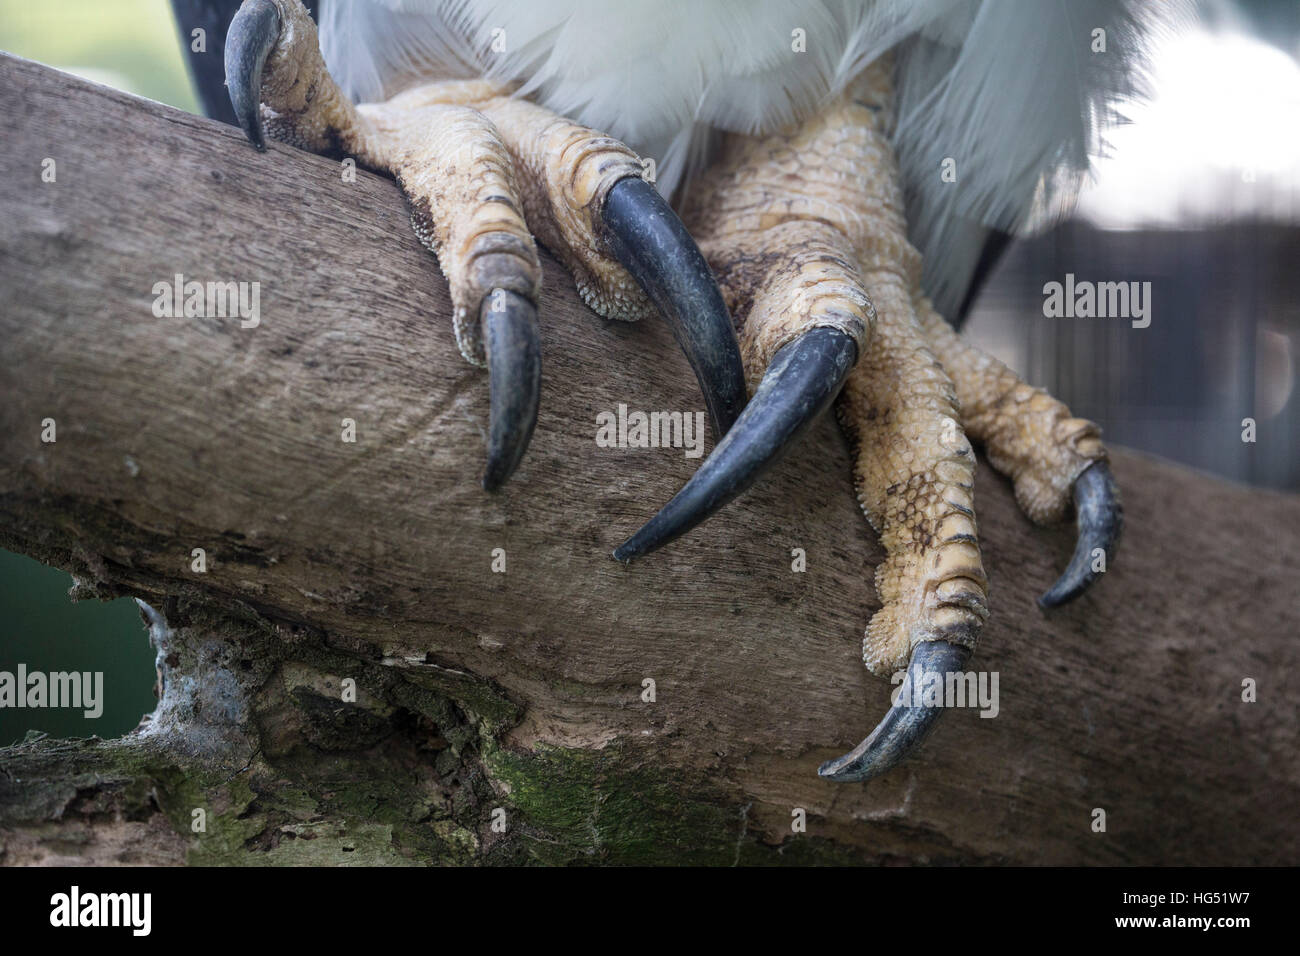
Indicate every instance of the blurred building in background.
{"type": "Point", "coordinates": [1200, 196]}
{"type": "Point", "coordinates": [1220, 348]}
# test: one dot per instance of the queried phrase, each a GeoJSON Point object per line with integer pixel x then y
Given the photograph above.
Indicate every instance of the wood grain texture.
{"type": "Point", "coordinates": [177, 433]}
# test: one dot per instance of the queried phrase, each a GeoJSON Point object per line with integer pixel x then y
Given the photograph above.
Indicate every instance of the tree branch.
{"type": "Point", "coordinates": [523, 690]}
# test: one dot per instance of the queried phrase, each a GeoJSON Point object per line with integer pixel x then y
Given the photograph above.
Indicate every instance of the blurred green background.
{"type": "Point", "coordinates": [128, 44]}
{"type": "Point", "coordinates": [42, 628]}
{"type": "Point", "coordinates": [131, 45]}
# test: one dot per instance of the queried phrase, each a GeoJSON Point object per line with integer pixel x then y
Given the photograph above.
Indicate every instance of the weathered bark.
{"type": "Point", "coordinates": [523, 690]}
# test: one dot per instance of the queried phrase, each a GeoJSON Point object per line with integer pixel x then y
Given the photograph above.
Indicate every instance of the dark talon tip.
{"type": "Point", "coordinates": [514, 352]}
{"type": "Point", "coordinates": [252, 34]}
{"type": "Point", "coordinates": [801, 381]}
{"type": "Point", "coordinates": [907, 723]}
{"type": "Point", "coordinates": [652, 244]}
{"type": "Point", "coordinates": [1100, 519]}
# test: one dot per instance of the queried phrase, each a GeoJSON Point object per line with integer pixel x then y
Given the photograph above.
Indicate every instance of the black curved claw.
{"type": "Point", "coordinates": [1100, 519]}
{"type": "Point", "coordinates": [652, 244]}
{"type": "Point", "coordinates": [514, 353]}
{"type": "Point", "coordinates": [799, 384]}
{"type": "Point", "coordinates": [907, 722]}
{"type": "Point", "coordinates": [251, 36]}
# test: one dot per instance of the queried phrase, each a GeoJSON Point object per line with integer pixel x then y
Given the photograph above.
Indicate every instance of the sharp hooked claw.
{"type": "Point", "coordinates": [1100, 518]}
{"type": "Point", "coordinates": [252, 34]}
{"type": "Point", "coordinates": [801, 381]}
{"type": "Point", "coordinates": [653, 245]}
{"type": "Point", "coordinates": [514, 353]}
{"type": "Point", "coordinates": [907, 722]}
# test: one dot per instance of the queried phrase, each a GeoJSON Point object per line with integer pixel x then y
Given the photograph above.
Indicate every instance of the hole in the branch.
{"type": "Point", "coordinates": [68, 670]}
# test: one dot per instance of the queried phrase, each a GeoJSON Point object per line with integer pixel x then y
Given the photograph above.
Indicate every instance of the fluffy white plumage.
{"type": "Point", "coordinates": [1011, 90]}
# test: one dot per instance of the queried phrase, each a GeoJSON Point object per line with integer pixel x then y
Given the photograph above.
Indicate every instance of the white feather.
{"type": "Point", "coordinates": [1008, 89]}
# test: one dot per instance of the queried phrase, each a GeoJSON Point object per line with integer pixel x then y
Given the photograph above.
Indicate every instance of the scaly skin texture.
{"type": "Point", "coordinates": [804, 228]}
{"type": "Point", "coordinates": [1027, 435]}
{"type": "Point", "coordinates": [484, 173]}
{"type": "Point", "coordinates": [913, 470]}
{"type": "Point", "coordinates": [788, 224]}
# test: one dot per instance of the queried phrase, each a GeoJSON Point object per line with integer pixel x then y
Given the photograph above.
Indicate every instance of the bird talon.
{"type": "Point", "coordinates": [799, 385]}
{"type": "Point", "coordinates": [514, 354]}
{"type": "Point", "coordinates": [654, 247]}
{"type": "Point", "coordinates": [907, 722]}
{"type": "Point", "coordinates": [1100, 519]}
{"type": "Point", "coordinates": [252, 35]}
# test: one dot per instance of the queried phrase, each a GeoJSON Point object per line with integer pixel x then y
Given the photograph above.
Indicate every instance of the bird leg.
{"type": "Point", "coordinates": [807, 234]}
{"type": "Point", "coordinates": [485, 173]}
{"type": "Point", "coordinates": [1052, 458]}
